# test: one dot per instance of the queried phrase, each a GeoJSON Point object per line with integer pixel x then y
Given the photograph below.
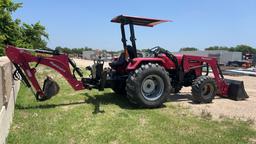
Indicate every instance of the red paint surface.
{"type": "Point", "coordinates": [59, 63]}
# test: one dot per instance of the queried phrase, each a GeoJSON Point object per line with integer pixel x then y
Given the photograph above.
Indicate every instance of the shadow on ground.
{"type": "Point", "coordinates": [108, 98]}
{"type": "Point", "coordinates": [48, 106]}
{"type": "Point", "coordinates": [123, 102]}
{"type": "Point", "coordinates": [180, 97]}
{"type": "Point", "coordinates": [96, 100]}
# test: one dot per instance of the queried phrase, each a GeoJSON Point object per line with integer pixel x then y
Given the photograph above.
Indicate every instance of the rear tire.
{"type": "Point", "coordinates": [204, 89]}
{"type": "Point", "coordinates": [149, 86]}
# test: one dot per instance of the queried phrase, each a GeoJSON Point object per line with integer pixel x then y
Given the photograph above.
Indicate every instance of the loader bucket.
{"type": "Point", "coordinates": [50, 88]}
{"type": "Point", "coordinates": [236, 90]}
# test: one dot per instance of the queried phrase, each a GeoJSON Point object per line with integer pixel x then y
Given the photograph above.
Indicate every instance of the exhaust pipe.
{"type": "Point", "coordinates": [236, 90]}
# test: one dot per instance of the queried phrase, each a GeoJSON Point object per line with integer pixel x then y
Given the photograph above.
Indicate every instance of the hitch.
{"type": "Point", "coordinates": [98, 75]}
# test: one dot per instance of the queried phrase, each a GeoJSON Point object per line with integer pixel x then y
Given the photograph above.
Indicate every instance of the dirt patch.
{"type": "Point", "coordinates": [142, 121]}
{"type": "Point", "coordinates": [84, 63]}
{"type": "Point", "coordinates": [222, 107]}
{"type": "Point", "coordinates": [252, 140]}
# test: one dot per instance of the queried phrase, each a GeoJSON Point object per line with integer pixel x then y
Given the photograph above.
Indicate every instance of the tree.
{"type": "Point", "coordinates": [239, 48]}
{"type": "Point", "coordinates": [189, 49]}
{"type": "Point", "coordinates": [217, 48]}
{"type": "Point", "coordinates": [34, 36]}
{"type": "Point", "coordinates": [72, 50]}
{"type": "Point", "coordinates": [9, 29]}
{"type": "Point", "coordinates": [244, 49]}
{"type": "Point", "coordinates": [12, 32]}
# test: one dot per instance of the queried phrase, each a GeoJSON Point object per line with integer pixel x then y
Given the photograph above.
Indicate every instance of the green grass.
{"type": "Point", "coordinates": [70, 118]}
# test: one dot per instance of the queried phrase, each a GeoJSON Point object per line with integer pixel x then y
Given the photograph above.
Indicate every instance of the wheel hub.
{"type": "Point", "coordinates": [152, 87]}
{"type": "Point", "coordinates": [148, 86]}
{"type": "Point", "coordinates": [207, 90]}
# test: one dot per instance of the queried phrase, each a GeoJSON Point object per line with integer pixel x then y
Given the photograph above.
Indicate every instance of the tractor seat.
{"type": "Point", "coordinates": [120, 62]}
{"type": "Point", "coordinates": [131, 52]}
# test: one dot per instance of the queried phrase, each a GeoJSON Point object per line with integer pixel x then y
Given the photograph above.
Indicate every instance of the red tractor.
{"type": "Point", "coordinates": [146, 81]}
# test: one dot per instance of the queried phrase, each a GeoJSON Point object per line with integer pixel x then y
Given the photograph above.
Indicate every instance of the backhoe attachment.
{"type": "Point", "coordinates": [21, 58]}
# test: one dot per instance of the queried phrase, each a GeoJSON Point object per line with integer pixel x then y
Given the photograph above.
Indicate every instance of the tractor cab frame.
{"type": "Point", "coordinates": [131, 21]}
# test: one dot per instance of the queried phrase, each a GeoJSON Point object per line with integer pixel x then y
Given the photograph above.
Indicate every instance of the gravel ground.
{"type": "Point", "coordinates": [221, 107]}
{"type": "Point", "coordinates": [84, 63]}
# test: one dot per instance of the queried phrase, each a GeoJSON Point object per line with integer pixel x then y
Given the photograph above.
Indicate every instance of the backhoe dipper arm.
{"type": "Point", "coordinates": [59, 62]}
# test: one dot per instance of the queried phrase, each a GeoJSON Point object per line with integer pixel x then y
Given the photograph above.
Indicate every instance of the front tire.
{"type": "Point", "coordinates": [204, 89]}
{"type": "Point", "coordinates": [149, 86]}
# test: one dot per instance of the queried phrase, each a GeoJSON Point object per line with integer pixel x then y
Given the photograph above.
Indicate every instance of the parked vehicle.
{"type": "Point", "coordinates": [146, 81]}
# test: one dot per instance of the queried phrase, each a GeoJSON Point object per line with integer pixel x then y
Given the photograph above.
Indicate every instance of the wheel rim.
{"type": "Point", "coordinates": [152, 87]}
{"type": "Point", "coordinates": [207, 90]}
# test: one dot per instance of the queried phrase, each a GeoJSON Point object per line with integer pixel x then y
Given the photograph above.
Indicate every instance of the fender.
{"type": "Point", "coordinates": [162, 60]}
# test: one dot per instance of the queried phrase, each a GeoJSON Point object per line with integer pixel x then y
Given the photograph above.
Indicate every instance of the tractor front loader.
{"type": "Point", "coordinates": [146, 81]}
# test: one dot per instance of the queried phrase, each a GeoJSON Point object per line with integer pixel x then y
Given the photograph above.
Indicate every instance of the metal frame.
{"type": "Point", "coordinates": [132, 37]}
{"type": "Point", "coordinates": [131, 21]}
{"type": "Point", "coordinates": [59, 62]}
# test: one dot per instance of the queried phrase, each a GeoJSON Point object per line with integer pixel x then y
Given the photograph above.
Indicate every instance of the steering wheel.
{"type": "Point", "coordinates": [155, 50]}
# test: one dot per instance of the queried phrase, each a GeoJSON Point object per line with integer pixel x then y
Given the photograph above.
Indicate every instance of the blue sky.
{"type": "Point", "coordinates": [197, 23]}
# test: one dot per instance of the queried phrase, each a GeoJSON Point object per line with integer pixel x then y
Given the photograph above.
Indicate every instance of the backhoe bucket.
{"type": "Point", "coordinates": [50, 88]}
{"type": "Point", "coordinates": [236, 90]}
